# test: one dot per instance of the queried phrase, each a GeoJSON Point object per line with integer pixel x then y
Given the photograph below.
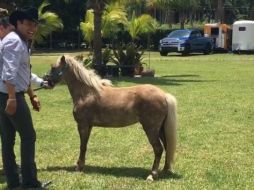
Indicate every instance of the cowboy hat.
{"type": "Point", "coordinates": [28, 13]}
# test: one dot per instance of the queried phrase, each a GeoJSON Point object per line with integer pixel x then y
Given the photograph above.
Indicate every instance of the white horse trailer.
{"type": "Point", "coordinates": [243, 36]}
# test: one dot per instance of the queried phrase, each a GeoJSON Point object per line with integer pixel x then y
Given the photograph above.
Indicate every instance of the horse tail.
{"type": "Point", "coordinates": [170, 125]}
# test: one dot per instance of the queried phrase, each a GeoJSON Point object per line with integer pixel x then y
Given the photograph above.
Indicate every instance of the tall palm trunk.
{"type": "Point", "coordinates": [98, 7]}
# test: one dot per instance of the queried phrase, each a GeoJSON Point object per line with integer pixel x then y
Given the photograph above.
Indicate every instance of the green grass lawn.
{"type": "Point", "coordinates": [215, 96]}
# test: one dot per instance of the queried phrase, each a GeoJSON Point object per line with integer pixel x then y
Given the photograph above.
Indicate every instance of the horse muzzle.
{"type": "Point", "coordinates": [51, 81]}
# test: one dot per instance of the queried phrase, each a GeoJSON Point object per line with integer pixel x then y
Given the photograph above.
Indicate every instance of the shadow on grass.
{"type": "Point", "coordinates": [134, 172]}
{"type": "Point", "coordinates": [162, 80]}
{"type": "Point", "coordinates": [194, 54]}
{"type": "Point", "coordinates": [166, 80]}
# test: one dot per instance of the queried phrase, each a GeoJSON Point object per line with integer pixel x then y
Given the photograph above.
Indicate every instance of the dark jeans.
{"type": "Point", "coordinates": [20, 122]}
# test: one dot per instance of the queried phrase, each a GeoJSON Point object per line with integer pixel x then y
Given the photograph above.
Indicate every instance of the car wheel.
{"type": "Point", "coordinates": [163, 53]}
{"type": "Point", "coordinates": [208, 49]}
{"type": "Point", "coordinates": [186, 49]}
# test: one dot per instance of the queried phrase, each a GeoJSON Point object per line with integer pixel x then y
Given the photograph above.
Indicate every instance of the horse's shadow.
{"type": "Point", "coordinates": [134, 172]}
{"type": "Point", "coordinates": [165, 80]}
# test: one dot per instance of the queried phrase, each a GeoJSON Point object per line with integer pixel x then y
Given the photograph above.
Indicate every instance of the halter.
{"type": "Point", "coordinates": [55, 76]}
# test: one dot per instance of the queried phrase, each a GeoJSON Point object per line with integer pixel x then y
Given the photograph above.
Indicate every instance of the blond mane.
{"type": "Point", "coordinates": [88, 76]}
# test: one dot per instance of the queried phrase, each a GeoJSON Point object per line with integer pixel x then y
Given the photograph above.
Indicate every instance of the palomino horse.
{"type": "Point", "coordinates": [97, 103]}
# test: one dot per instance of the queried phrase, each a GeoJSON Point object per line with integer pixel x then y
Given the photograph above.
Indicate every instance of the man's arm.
{"type": "Point", "coordinates": [39, 81]}
{"type": "Point", "coordinates": [36, 80]}
{"type": "Point", "coordinates": [9, 72]}
{"type": "Point", "coordinates": [11, 104]}
{"type": "Point", "coordinates": [34, 99]}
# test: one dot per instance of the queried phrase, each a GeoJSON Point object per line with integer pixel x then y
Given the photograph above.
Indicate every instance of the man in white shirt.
{"type": "Point", "coordinates": [15, 116]}
{"type": "Point", "coordinates": [5, 28]}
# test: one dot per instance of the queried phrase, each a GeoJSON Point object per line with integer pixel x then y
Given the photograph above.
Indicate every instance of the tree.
{"type": "Point", "coordinates": [98, 7]}
{"type": "Point", "coordinates": [71, 13]}
{"type": "Point", "coordinates": [141, 25]}
{"type": "Point", "coordinates": [87, 27]}
{"type": "Point", "coordinates": [51, 22]}
{"type": "Point", "coordinates": [206, 11]}
{"type": "Point", "coordinates": [113, 16]}
{"type": "Point", "coordinates": [241, 9]}
{"type": "Point", "coordinates": [219, 13]}
{"type": "Point", "coordinates": [164, 7]}
{"type": "Point", "coordinates": [184, 7]}
{"type": "Point", "coordinates": [137, 6]}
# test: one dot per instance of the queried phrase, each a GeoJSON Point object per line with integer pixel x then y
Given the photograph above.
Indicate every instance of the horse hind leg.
{"type": "Point", "coordinates": [153, 137]}
{"type": "Point", "coordinates": [84, 134]}
{"type": "Point", "coordinates": [163, 140]}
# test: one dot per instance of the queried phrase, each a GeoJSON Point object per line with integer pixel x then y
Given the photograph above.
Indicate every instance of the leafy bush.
{"type": "Point", "coordinates": [131, 55]}
{"type": "Point", "coordinates": [106, 55]}
{"type": "Point", "coordinates": [88, 60]}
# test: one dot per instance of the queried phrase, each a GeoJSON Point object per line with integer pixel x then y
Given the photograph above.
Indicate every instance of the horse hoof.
{"type": "Point", "coordinates": [153, 176]}
{"type": "Point", "coordinates": [167, 171]}
{"type": "Point", "coordinates": [150, 178]}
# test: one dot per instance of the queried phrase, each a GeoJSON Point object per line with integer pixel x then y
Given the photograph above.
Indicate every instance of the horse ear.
{"type": "Point", "coordinates": [62, 61]}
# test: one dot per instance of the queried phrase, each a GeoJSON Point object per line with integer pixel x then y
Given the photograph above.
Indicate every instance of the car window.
{"type": "Point", "coordinates": [195, 34]}
{"type": "Point", "coordinates": [179, 34]}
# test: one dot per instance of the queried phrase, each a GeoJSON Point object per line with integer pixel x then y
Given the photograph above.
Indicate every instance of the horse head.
{"type": "Point", "coordinates": [55, 75]}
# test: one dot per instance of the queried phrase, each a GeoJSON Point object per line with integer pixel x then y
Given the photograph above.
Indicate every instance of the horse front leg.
{"type": "Point", "coordinates": [84, 134]}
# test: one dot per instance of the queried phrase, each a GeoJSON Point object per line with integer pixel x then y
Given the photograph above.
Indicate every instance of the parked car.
{"type": "Point", "coordinates": [185, 41]}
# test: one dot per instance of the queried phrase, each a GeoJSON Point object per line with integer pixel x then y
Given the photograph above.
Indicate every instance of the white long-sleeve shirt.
{"type": "Point", "coordinates": [15, 63]}
{"type": "Point", "coordinates": [36, 80]}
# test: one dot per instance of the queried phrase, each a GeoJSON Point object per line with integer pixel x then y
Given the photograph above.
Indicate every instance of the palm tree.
{"type": "Point", "coordinates": [51, 23]}
{"type": "Point", "coordinates": [113, 16]}
{"type": "Point", "coordinates": [98, 7]}
{"type": "Point", "coordinates": [87, 27]}
{"type": "Point", "coordinates": [131, 6]}
{"type": "Point", "coordinates": [141, 25]}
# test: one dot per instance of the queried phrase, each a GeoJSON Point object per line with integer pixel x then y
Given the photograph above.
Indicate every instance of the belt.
{"type": "Point", "coordinates": [17, 93]}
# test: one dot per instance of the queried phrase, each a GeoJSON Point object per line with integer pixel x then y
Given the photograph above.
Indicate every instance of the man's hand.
{"type": "Point", "coordinates": [45, 84]}
{"type": "Point", "coordinates": [36, 103]}
{"type": "Point", "coordinates": [11, 106]}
